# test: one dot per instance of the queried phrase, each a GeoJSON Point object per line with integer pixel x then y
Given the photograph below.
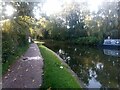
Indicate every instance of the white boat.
{"type": "Point", "coordinates": [112, 42]}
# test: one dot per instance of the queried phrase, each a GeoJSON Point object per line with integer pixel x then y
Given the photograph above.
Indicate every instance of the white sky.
{"type": "Point", "coordinates": [9, 10]}
{"type": "Point", "coordinates": [52, 6]}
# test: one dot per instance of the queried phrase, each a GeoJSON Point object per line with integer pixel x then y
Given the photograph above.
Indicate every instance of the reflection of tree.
{"type": "Point", "coordinates": [89, 58]}
{"type": "Point", "coordinates": [108, 75]}
{"type": "Point", "coordinates": [85, 58]}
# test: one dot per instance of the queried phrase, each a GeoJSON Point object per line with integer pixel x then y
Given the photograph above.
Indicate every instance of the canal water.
{"type": "Point", "coordinates": [95, 67]}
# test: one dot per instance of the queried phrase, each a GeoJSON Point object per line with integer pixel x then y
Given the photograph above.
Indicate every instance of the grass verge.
{"type": "Point", "coordinates": [13, 58]}
{"type": "Point", "coordinates": [56, 73]}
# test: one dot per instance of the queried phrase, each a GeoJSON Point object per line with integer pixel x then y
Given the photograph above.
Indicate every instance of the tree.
{"type": "Point", "coordinates": [118, 19]}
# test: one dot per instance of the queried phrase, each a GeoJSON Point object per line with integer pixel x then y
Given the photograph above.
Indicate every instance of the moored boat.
{"type": "Point", "coordinates": [115, 42]}
{"type": "Point", "coordinates": [111, 43]}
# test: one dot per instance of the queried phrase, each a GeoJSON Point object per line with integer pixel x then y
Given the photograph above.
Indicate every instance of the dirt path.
{"type": "Point", "coordinates": [26, 72]}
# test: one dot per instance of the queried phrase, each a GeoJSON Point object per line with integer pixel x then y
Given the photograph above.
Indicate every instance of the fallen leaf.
{"type": "Point", "coordinates": [49, 88]}
{"type": "Point", "coordinates": [9, 70]}
{"type": "Point", "coordinates": [39, 85]}
{"type": "Point", "coordinates": [18, 67]}
{"type": "Point", "coordinates": [12, 71]}
{"type": "Point", "coordinates": [33, 80]}
{"type": "Point", "coordinates": [14, 79]}
{"type": "Point", "coordinates": [25, 86]}
{"type": "Point", "coordinates": [6, 77]}
{"type": "Point", "coordinates": [26, 70]}
{"type": "Point", "coordinates": [21, 75]}
{"type": "Point", "coordinates": [61, 67]}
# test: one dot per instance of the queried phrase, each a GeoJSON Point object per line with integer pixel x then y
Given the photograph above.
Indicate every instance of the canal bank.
{"type": "Point", "coordinates": [70, 70]}
{"type": "Point", "coordinates": [57, 74]}
{"type": "Point", "coordinates": [91, 64]}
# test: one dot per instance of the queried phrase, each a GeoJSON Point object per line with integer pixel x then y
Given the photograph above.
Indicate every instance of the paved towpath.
{"type": "Point", "coordinates": [26, 72]}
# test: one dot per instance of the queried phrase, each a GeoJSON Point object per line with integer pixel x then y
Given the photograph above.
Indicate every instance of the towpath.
{"type": "Point", "coordinates": [26, 72]}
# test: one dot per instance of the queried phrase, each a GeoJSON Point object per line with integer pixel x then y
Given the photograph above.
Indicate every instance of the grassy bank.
{"type": "Point", "coordinates": [56, 73]}
{"type": "Point", "coordinates": [13, 58]}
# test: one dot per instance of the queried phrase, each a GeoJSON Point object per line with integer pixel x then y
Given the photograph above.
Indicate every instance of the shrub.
{"type": "Point", "coordinates": [13, 36]}
{"type": "Point", "coordinates": [87, 40]}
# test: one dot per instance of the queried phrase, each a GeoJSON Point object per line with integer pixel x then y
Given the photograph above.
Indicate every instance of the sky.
{"type": "Point", "coordinates": [54, 6]}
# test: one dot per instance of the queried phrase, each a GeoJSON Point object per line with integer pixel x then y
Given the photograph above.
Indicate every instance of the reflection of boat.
{"type": "Point", "coordinates": [110, 42]}
{"type": "Point", "coordinates": [112, 52]}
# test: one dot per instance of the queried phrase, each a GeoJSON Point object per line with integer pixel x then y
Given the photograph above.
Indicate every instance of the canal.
{"type": "Point", "coordinates": [95, 67]}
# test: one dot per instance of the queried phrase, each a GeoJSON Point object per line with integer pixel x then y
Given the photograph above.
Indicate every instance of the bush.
{"type": "Point", "coordinates": [87, 40]}
{"type": "Point", "coordinates": [13, 37]}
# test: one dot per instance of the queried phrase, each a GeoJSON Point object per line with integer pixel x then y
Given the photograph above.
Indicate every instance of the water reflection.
{"type": "Point", "coordinates": [99, 65]}
{"type": "Point", "coordinates": [93, 83]}
{"type": "Point", "coordinates": [94, 66]}
{"type": "Point", "coordinates": [112, 52]}
{"type": "Point", "coordinates": [64, 56]}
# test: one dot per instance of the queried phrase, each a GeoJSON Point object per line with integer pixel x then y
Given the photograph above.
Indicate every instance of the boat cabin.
{"type": "Point", "coordinates": [115, 42]}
